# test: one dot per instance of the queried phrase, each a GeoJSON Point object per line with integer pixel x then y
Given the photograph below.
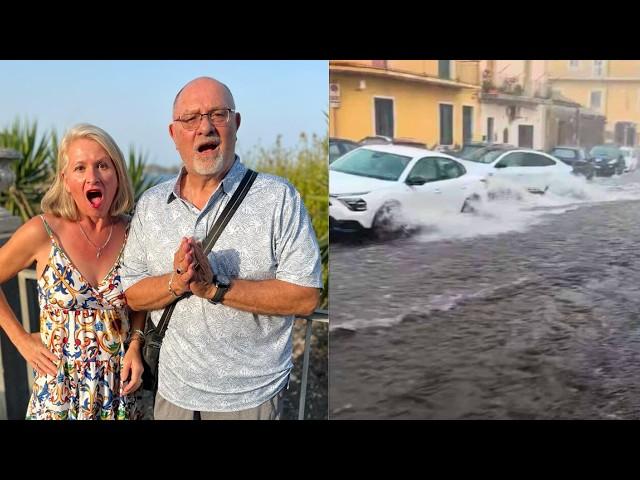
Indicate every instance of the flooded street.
{"type": "Point", "coordinates": [530, 312]}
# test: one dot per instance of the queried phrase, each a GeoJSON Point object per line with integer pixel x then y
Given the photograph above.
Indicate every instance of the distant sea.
{"type": "Point", "coordinates": [161, 177]}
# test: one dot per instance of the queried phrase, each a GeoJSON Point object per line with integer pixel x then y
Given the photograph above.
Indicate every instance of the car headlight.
{"type": "Point", "coordinates": [612, 162]}
{"type": "Point", "coordinates": [355, 204]}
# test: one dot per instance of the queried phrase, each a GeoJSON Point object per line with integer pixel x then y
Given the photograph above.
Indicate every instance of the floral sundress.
{"type": "Point", "coordinates": [86, 327]}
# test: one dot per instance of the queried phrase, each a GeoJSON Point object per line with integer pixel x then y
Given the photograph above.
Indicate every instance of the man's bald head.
{"type": "Point", "coordinates": [206, 82]}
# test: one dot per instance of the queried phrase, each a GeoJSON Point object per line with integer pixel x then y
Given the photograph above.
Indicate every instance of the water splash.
{"type": "Point", "coordinates": [507, 206]}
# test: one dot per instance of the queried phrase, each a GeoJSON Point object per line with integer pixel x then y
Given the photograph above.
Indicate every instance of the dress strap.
{"type": "Point", "coordinates": [47, 227]}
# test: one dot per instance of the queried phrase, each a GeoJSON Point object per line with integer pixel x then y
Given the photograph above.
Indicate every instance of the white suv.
{"type": "Point", "coordinates": [371, 187]}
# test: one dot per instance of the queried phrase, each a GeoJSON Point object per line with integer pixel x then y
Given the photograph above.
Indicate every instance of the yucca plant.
{"type": "Point", "coordinates": [140, 180]}
{"type": "Point", "coordinates": [32, 171]}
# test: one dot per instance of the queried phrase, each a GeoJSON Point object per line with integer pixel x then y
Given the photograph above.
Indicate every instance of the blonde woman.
{"type": "Point", "coordinates": [83, 368]}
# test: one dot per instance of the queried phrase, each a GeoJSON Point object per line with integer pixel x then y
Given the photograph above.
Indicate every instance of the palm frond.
{"type": "Point", "coordinates": [140, 180]}
{"type": "Point", "coordinates": [32, 171]}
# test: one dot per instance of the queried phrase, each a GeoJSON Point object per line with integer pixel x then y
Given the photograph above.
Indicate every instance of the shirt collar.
{"type": "Point", "coordinates": [229, 183]}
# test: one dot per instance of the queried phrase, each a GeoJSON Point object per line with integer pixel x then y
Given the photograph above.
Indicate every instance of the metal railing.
{"type": "Point", "coordinates": [23, 276]}
{"type": "Point", "coordinates": [317, 316]}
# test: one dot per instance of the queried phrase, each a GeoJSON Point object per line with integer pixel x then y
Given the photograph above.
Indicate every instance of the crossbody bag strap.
{"type": "Point", "coordinates": [212, 237]}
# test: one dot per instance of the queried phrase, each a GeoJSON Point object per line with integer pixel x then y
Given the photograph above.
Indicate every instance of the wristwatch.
{"type": "Point", "coordinates": [221, 290]}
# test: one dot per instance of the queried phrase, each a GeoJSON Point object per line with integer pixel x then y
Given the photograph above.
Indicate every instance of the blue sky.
{"type": "Point", "coordinates": [132, 99]}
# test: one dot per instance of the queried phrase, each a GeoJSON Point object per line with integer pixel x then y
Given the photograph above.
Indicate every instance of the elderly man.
{"type": "Point", "coordinates": [227, 350]}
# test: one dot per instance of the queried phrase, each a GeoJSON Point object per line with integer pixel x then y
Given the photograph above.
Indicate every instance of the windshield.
{"type": "Point", "coordinates": [564, 153]}
{"type": "Point", "coordinates": [369, 163]}
{"type": "Point", "coordinates": [607, 150]}
{"type": "Point", "coordinates": [484, 156]}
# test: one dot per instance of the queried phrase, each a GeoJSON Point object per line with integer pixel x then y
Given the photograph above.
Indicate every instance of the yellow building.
{"type": "Point", "coordinates": [434, 101]}
{"type": "Point", "coordinates": [610, 87]}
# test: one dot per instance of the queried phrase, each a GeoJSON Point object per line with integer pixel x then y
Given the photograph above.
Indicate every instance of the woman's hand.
{"type": "Point", "coordinates": [132, 368]}
{"type": "Point", "coordinates": [38, 355]}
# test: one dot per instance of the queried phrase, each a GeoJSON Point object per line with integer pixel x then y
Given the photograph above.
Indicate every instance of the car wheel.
{"type": "Point", "coordinates": [467, 206]}
{"type": "Point", "coordinates": [385, 224]}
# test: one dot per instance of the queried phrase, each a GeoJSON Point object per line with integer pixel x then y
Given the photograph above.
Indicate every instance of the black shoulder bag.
{"type": "Point", "coordinates": [154, 334]}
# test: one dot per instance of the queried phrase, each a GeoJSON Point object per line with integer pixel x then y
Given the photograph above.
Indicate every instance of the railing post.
{"type": "Point", "coordinates": [23, 276]}
{"type": "Point", "coordinates": [305, 370]}
{"type": "Point", "coordinates": [319, 316]}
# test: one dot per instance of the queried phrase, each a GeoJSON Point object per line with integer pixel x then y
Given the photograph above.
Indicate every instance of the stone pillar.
{"type": "Point", "coordinates": [12, 367]}
{"type": "Point", "coordinates": [8, 223]}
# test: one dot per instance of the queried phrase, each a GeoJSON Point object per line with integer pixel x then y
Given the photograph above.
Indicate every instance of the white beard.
{"type": "Point", "coordinates": [209, 167]}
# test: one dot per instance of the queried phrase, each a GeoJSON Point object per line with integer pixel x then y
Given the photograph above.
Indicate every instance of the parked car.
{"type": "Point", "coordinates": [409, 142]}
{"type": "Point", "coordinates": [607, 159]}
{"type": "Point", "coordinates": [575, 157]}
{"type": "Point", "coordinates": [469, 148]}
{"type": "Point", "coordinates": [371, 187]}
{"type": "Point", "coordinates": [339, 146]}
{"type": "Point", "coordinates": [489, 153]}
{"type": "Point", "coordinates": [375, 140]}
{"type": "Point", "coordinates": [382, 140]}
{"type": "Point", "coordinates": [630, 158]}
{"type": "Point", "coordinates": [536, 171]}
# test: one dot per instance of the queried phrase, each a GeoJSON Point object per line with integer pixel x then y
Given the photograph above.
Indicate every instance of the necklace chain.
{"type": "Point", "coordinates": [99, 249]}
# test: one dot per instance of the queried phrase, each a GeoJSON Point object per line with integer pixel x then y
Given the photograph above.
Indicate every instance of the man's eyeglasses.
{"type": "Point", "coordinates": [219, 118]}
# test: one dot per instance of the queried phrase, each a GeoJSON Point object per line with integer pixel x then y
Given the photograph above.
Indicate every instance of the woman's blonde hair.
{"type": "Point", "coordinates": [59, 202]}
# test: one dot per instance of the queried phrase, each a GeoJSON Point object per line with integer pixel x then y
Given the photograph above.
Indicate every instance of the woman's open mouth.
{"type": "Point", "coordinates": [95, 197]}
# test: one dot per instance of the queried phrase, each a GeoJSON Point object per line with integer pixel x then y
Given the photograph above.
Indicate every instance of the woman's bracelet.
{"type": "Point", "coordinates": [137, 335]}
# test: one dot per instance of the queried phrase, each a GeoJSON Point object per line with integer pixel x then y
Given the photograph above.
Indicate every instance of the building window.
{"type": "Point", "coordinates": [489, 130]}
{"type": "Point", "coordinates": [467, 124]}
{"type": "Point", "coordinates": [444, 69]}
{"type": "Point", "coordinates": [595, 101]}
{"type": "Point", "coordinates": [379, 63]}
{"type": "Point", "coordinates": [384, 116]}
{"type": "Point", "coordinates": [598, 68]}
{"type": "Point", "coordinates": [525, 136]}
{"type": "Point", "coordinates": [505, 135]}
{"type": "Point", "coordinates": [574, 64]}
{"type": "Point", "coordinates": [446, 124]}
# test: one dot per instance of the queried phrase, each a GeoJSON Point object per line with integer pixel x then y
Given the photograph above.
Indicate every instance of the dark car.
{"type": "Point", "coordinates": [339, 146]}
{"type": "Point", "coordinates": [383, 140]}
{"type": "Point", "coordinates": [469, 148]}
{"type": "Point", "coordinates": [575, 157]}
{"type": "Point", "coordinates": [607, 159]}
{"type": "Point", "coordinates": [488, 153]}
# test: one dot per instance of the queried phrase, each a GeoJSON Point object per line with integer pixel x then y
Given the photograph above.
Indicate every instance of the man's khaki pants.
{"type": "Point", "coordinates": [269, 410]}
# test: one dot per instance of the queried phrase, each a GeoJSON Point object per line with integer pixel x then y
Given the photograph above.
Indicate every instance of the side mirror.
{"type": "Point", "coordinates": [500, 165]}
{"type": "Point", "coordinates": [416, 181]}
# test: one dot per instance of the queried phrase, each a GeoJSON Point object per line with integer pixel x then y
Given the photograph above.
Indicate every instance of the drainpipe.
{"type": "Point", "coordinates": [526, 81]}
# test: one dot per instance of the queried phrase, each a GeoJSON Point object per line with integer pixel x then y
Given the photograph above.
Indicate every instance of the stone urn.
{"type": "Point", "coordinates": [8, 222]}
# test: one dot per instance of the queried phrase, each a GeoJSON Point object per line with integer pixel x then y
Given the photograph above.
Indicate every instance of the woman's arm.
{"type": "Point", "coordinates": [19, 253]}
